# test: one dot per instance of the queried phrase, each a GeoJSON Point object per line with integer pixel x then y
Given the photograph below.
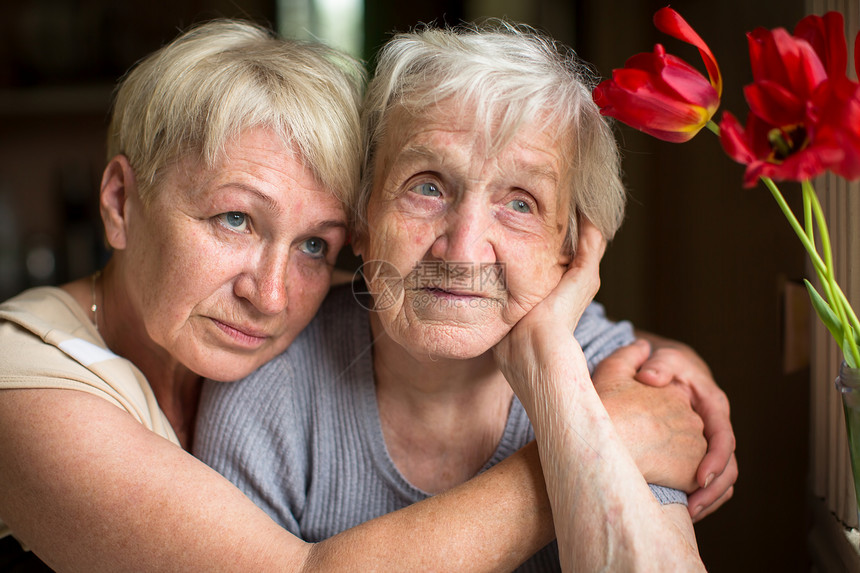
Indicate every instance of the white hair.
{"type": "Point", "coordinates": [511, 76]}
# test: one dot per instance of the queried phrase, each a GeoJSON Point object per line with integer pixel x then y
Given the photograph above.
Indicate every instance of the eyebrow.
{"type": "Point", "coordinates": [416, 152]}
{"type": "Point", "coordinates": [424, 152]}
{"type": "Point", "coordinates": [539, 171]}
{"type": "Point", "coordinates": [328, 224]}
{"type": "Point", "coordinates": [270, 203]}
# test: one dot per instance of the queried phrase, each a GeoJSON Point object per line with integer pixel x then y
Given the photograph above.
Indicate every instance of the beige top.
{"type": "Point", "coordinates": [47, 341]}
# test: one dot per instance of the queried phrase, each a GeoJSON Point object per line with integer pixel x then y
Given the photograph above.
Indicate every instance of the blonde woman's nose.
{"type": "Point", "coordinates": [264, 284]}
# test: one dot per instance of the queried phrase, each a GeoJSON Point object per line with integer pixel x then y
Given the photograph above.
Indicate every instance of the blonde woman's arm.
{"type": "Point", "coordinates": [87, 488]}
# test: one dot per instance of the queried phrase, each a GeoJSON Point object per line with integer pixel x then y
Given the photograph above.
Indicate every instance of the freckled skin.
{"type": "Point", "coordinates": [220, 298]}
{"type": "Point", "coordinates": [469, 220]}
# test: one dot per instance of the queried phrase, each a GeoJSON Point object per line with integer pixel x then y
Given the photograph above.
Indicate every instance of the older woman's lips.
{"type": "Point", "coordinates": [453, 294]}
{"type": "Point", "coordinates": [242, 336]}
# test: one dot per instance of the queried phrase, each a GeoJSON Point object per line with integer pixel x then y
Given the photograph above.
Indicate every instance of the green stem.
{"type": "Point", "coordinates": [807, 216]}
{"type": "Point", "coordinates": [713, 127]}
{"type": "Point", "coordinates": [836, 302]}
{"type": "Point", "coordinates": [795, 225]}
{"type": "Point", "coordinates": [852, 316]}
{"type": "Point", "coordinates": [809, 223]}
{"type": "Point", "coordinates": [812, 214]}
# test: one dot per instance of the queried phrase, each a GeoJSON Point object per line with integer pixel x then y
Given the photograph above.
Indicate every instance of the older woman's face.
{"type": "Point", "coordinates": [479, 238]}
{"type": "Point", "coordinates": [227, 265]}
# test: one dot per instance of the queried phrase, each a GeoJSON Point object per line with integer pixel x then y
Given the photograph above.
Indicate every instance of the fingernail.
{"type": "Point", "coordinates": [709, 479]}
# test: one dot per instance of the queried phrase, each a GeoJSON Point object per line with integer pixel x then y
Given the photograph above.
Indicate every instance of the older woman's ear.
{"type": "Point", "coordinates": [118, 183]}
{"type": "Point", "coordinates": [357, 242]}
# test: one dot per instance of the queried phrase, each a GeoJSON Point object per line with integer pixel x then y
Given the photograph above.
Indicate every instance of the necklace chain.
{"type": "Point", "coordinates": [95, 306]}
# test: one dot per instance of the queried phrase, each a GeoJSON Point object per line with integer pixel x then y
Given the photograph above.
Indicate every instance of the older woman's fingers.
{"type": "Point", "coordinates": [581, 281]}
{"type": "Point", "coordinates": [590, 246]}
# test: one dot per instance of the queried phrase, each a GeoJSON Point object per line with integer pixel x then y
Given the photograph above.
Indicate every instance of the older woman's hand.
{"type": "Point", "coordinates": [532, 339]}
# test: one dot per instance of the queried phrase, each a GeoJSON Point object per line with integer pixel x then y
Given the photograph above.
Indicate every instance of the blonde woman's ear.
{"type": "Point", "coordinates": [118, 185]}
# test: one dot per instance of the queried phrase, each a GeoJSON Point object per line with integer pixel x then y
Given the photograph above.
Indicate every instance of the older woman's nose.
{"type": "Point", "coordinates": [264, 283]}
{"type": "Point", "coordinates": [465, 238]}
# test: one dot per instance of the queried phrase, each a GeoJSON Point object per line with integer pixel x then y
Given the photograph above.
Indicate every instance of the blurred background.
{"type": "Point", "coordinates": [699, 258]}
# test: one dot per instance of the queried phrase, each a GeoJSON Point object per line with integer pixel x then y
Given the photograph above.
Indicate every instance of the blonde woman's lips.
{"type": "Point", "coordinates": [242, 336]}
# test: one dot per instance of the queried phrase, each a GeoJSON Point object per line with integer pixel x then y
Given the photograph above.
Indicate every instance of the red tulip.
{"type": "Point", "coordinates": [786, 70]}
{"type": "Point", "coordinates": [804, 113]}
{"type": "Point", "coordinates": [661, 94]}
{"type": "Point", "coordinates": [774, 152]}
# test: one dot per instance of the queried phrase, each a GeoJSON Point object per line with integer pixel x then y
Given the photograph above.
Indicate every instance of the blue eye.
{"type": "Point", "coordinates": [315, 247]}
{"type": "Point", "coordinates": [427, 190]}
{"type": "Point", "coordinates": [520, 206]}
{"type": "Point", "coordinates": [235, 221]}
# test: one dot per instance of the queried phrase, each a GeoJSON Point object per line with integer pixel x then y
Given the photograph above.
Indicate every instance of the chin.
{"type": "Point", "coordinates": [229, 368]}
{"type": "Point", "coordinates": [461, 344]}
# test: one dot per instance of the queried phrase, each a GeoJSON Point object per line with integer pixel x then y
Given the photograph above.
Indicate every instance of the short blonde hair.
{"type": "Point", "coordinates": [512, 76]}
{"type": "Point", "coordinates": [223, 77]}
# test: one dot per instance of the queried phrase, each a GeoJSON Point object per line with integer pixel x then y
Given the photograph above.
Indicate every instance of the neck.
{"type": "Point", "coordinates": [176, 388]}
{"type": "Point", "coordinates": [442, 419]}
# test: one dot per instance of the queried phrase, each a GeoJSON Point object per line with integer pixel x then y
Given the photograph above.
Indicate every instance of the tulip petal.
{"type": "Point", "coordinates": [826, 35]}
{"type": "Point", "coordinates": [647, 111]}
{"type": "Point", "coordinates": [836, 107]}
{"type": "Point", "coordinates": [670, 22]}
{"type": "Point", "coordinates": [733, 140]}
{"type": "Point", "coordinates": [788, 61]}
{"type": "Point", "coordinates": [774, 104]}
{"type": "Point", "coordinates": [648, 62]}
{"type": "Point", "coordinates": [857, 55]}
{"type": "Point", "coordinates": [670, 74]}
{"type": "Point", "coordinates": [688, 83]}
{"type": "Point", "coordinates": [645, 108]}
{"type": "Point", "coordinates": [811, 68]}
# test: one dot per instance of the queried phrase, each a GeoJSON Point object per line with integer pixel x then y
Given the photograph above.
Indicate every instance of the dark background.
{"type": "Point", "coordinates": [699, 258]}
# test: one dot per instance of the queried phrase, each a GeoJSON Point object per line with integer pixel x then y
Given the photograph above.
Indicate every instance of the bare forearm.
{"type": "Point", "coordinates": [494, 522]}
{"type": "Point", "coordinates": [141, 503]}
{"type": "Point", "coordinates": [604, 513]}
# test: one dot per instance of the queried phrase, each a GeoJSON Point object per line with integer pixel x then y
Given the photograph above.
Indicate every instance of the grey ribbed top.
{"type": "Point", "coordinates": [302, 438]}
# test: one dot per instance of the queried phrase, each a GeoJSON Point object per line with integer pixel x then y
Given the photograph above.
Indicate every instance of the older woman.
{"type": "Point", "coordinates": [231, 154]}
{"type": "Point", "coordinates": [484, 151]}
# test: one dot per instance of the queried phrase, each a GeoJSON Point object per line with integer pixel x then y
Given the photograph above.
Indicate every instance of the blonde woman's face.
{"type": "Point", "coordinates": [227, 265]}
{"type": "Point", "coordinates": [461, 243]}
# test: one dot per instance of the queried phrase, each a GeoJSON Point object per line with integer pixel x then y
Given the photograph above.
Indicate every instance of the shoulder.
{"type": "Point", "coordinates": [47, 342]}
{"type": "Point", "coordinates": [43, 309]}
{"type": "Point", "coordinates": [44, 327]}
{"type": "Point", "coordinates": [599, 336]}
